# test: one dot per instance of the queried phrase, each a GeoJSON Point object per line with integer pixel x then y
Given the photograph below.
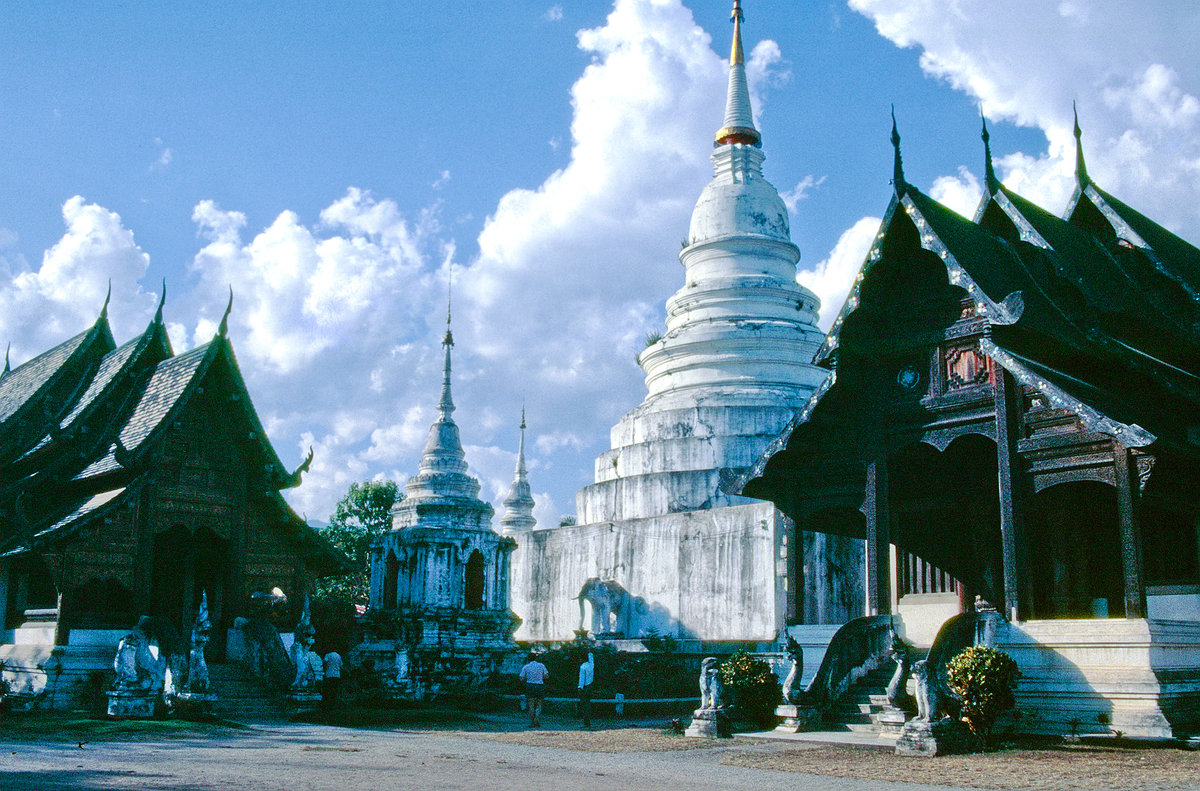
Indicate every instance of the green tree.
{"type": "Point", "coordinates": [358, 519]}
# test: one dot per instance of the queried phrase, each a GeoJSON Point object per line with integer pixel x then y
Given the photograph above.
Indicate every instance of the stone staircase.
{"type": "Point", "coordinates": [243, 698]}
{"type": "Point", "coordinates": [858, 710]}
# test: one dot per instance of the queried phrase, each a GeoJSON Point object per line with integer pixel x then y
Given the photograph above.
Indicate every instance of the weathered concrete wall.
{"type": "Point", "coordinates": [833, 584]}
{"type": "Point", "coordinates": [710, 573]}
{"type": "Point", "coordinates": [1104, 675]}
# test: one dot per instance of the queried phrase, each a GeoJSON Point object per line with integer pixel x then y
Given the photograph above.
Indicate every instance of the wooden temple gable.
{"type": "Point", "coordinates": [999, 346]}
{"type": "Point", "coordinates": [161, 483]}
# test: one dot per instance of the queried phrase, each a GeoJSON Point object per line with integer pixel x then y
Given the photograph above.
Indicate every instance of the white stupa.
{"type": "Point", "coordinates": [734, 362]}
{"type": "Point", "coordinates": [732, 368]}
{"type": "Point", "coordinates": [439, 617]}
{"type": "Point", "coordinates": [518, 503]}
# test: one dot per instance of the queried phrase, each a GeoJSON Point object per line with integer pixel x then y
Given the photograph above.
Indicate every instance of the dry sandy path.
{"type": "Point", "coordinates": [316, 758]}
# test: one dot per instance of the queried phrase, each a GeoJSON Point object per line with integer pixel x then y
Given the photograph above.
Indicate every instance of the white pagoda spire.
{"type": "Point", "coordinates": [518, 504]}
{"type": "Point", "coordinates": [739, 119]}
{"type": "Point", "coordinates": [741, 324]}
{"type": "Point", "coordinates": [443, 450]}
{"type": "Point", "coordinates": [442, 471]}
{"type": "Point", "coordinates": [734, 363]}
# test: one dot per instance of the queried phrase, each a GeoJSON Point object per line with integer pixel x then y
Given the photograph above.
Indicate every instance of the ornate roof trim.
{"type": "Point", "coordinates": [78, 516]}
{"type": "Point", "coordinates": [1124, 230]}
{"type": "Point", "coordinates": [781, 440]}
{"type": "Point", "coordinates": [832, 338]}
{"type": "Point", "coordinates": [1007, 311]}
{"type": "Point", "coordinates": [23, 385]}
{"type": "Point", "coordinates": [1129, 434]}
{"type": "Point", "coordinates": [171, 386]}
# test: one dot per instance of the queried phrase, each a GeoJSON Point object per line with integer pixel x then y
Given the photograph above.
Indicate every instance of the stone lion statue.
{"type": "Point", "coordinates": [793, 692]}
{"type": "Point", "coordinates": [927, 698]}
{"type": "Point", "coordinates": [712, 691]}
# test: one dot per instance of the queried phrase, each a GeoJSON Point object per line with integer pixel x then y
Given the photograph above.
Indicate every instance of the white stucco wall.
{"type": "Point", "coordinates": [710, 573]}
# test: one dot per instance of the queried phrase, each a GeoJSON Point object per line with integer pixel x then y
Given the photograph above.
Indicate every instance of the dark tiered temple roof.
{"type": "Point", "coordinates": [41, 389]}
{"type": "Point", "coordinates": [1098, 310]}
{"type": "Point", "coordinates": [83, 427]}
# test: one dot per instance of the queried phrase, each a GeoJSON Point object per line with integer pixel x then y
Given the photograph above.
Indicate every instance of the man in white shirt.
{"type": "Point", "coordinates": [587, 675]}
{"type": "Point", "coordinates": [333, 679]}
{"type": "Point", "coordinates": [534, 674]}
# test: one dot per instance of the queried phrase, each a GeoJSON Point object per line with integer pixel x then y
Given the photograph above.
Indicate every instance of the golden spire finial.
{"type": "Point", "coordinates": [739, 120]}
{"type": "Point", "coordinates": [735, 54]}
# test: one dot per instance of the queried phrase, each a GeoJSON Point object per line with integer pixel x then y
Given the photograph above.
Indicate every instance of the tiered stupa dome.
{"type": "Point", "coordinates": [734, 363]}
{"type": "Point", "coordinates": [442, 494]}
{"type": "Point", "coordinates": [518, 504]}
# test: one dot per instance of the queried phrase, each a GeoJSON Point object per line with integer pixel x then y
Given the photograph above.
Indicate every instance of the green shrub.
{"type": "Point", "coordinates": [752, 686]}
{"type": "Point", "coordinates": [984, 679]}
{"type": "Point", "coordinates": [655, 675]}
{"type": "Point", "coordinates": [657, 642]}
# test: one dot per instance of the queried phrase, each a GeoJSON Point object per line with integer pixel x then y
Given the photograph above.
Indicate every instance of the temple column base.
{"type": "Point", "coordinates": [796, 719]}
{"type": "Point", "coordinates": [925, 739]}
{"type": "Point", "coordinates": [709, 723]}
{"type": "Point", "coordinates": [131, 704]}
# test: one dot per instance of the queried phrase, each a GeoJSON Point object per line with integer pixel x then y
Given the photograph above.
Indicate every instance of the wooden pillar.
{"type": "Point", "coordinates": [143, 552]}
{"type": "Point", "coordinates": [893, 577]}
{"type": "Point", "coordinates": [1013, 537]}
{"type": "Point", "coordinates": [5, 577]}
{"type": "Point", "coordinates": [791, 547]}
{"type": "Point", "coordinates": [877, 511]}
{"type": "Point", "coordinates": [1131, 534]}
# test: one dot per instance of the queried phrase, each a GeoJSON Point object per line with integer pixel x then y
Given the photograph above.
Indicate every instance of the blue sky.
{"type": "Point", "coordinates": [331, 160]}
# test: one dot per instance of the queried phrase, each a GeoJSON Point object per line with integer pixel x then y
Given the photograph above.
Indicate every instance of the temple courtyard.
{"type": "Point", "coordinates": [444, 750]}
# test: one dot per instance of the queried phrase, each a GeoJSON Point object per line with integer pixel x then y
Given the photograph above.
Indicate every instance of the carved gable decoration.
{"type": "Point", "coordinates": [965, 367]}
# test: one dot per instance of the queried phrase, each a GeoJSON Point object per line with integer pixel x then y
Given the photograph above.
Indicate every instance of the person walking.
{"type": "Point", "coordinates": [587, 675]}
{"type": "Point", "coordinates": [333, 680]}
{"type": "Point", "coordinates": [534, 674]}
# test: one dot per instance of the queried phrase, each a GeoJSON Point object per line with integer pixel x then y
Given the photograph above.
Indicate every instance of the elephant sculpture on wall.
{"type": "Point", "coordinates": [611, 606]}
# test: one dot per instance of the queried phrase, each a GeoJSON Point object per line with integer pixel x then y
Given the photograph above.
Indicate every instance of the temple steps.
{"type": "Point", "coordinates": [243, 698]}
{"type": "Point", "coordinates": [857, 711]}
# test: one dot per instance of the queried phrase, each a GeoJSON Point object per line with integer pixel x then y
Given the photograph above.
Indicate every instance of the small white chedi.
{"type": "Point", "coordinates": [439, 618]}
{"type": "Point", "coordinates": [730, 371]}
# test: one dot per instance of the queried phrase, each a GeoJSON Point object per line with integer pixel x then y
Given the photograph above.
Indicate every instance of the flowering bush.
{"type": "Point", "coordinates": [751, 684]}
{"type": "Point", "coordinates": [984, 679]}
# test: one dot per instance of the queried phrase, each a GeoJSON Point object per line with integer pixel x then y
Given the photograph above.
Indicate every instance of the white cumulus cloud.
{"type": "Point", "coordinates": [830, 278]}
{"type": "Point", "coordinates": [1132, 71]}
{"type": "Point", "coordinates": [41, 307]}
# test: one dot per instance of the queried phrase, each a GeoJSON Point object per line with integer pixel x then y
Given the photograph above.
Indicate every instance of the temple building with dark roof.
{"type": "Point", "coordinates": [132, 480]}
{"type": "Point", "coordinates": [1012, 428]}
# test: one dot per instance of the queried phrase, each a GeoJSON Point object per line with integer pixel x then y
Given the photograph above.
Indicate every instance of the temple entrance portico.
{"type": "Point", "coordinates": [186, 564]}
{"type": "Point", "coordinates": [1012, 410]}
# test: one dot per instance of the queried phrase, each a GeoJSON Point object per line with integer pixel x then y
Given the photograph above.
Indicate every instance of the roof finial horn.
{"type": "Point", "coordinates": [989, 172]}
{"type": "Point", "coordinates": [8, 366]}
{"type": "Point", "coordinates": [162, 300]}
{"type": "Point", "coordinates": [107, 297]}
{"type": "Point", "coordinates": [1081, 174]}
{"type": "Point", "coordinates": [898, 163]}
{"type": "Point", "coordinates": [223, 328]}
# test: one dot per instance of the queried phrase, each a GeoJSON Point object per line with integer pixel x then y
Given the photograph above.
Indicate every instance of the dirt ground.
{"type": "Point", "coordinates": [460, 749]}
{"type": "Point", "coordinates": [1044, 766]}
{"type": "Point", "coordinates": [1059, 768]}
